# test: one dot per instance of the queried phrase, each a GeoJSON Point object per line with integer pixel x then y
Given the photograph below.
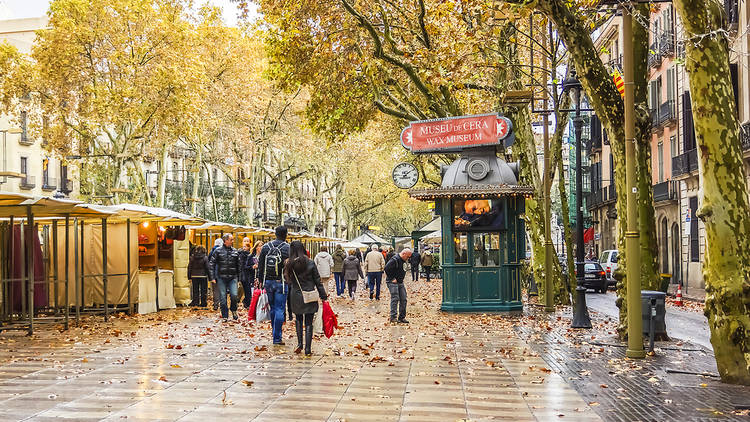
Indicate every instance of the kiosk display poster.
{"type": "Point", "coordinates": [478, 215]}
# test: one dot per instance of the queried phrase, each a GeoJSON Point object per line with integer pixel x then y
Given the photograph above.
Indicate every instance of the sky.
{"type": "Point", "coordinates": [15, 9]}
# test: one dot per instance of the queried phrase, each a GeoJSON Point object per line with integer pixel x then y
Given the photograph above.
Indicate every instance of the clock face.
{"type": "Point", "coordinates": [405, 175]}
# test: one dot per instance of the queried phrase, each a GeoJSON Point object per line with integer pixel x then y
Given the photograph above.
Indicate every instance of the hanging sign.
{"type": "Point", "coordinates": [452, 134]}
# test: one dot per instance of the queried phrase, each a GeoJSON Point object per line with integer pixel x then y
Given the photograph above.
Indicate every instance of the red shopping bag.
{"type": "Point", "coordinates": [253, 304]}
{"type": "Point", "coordinates": [329, 320]}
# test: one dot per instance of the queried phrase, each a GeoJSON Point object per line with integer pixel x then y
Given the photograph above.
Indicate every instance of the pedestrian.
{"type": "Point", "coordinates": [395, 271]}
{"type": "Point", "coordinates": [198, 273]}
{"type": "Point", "coordinates": [414, 262]}
{"type": "Point", "coordinates": [246, 276]}
{"type": "Point", "coordinates": [211, 276]}
{"type": "Point", "coordinates": [374, 265]}
{"type": "Point", "coordinates": [271, 274]}
{"type": "Point", "coordinates": [358, 254]}
{"type": "Point", "coordinates": [427, 261]}
{"type": "Point", "coordinates": [225, 266]}
{"type": "Point", "coordinates": [252, 263]}
{"type": "Point", "coordinates": [390, 254]}
{"type": "Point", "coordinates": [352, 272]}
{"type": "Point", "coordinates": [338, 261]}
{"type": "Point", "coordinates": [324, 263]}
{"type": "Point", "coordinates": [303, 275]}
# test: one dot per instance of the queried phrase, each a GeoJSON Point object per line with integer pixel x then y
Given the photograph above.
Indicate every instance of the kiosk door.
{"type": "Point", "coordinates": [487, 262]}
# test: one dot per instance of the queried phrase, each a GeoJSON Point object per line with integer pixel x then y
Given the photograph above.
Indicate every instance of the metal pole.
{"type": "Point", "coordinates": [83, 270]}
{"type": "Point", "coordinates": [67, 270]}
{"type": "Point", "coordinates": [127, 234]}
{"type": "Point", "coordinates": [581, 317]}
{"type": "Point", "coordinates": [30, 265]}
{"type": "Point", "coordinates": [24, 268]}
{"type": "Point", "coordinates": [632, 253]}
{"type": "Point", "coordinates": [75, 265]}
{"type": "Point", "coordinates": [12, 265]}
{"type": "Point", "coordinates": [55, 266]}
{"type": "Point", "coordinates": [549, 303]}
{"type": "Point", "coordinates": [104, 268]}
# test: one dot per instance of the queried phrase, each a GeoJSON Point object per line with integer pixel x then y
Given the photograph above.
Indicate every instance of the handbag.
{"type": "Point", "coordinates": [307, 297]}
{"type": "Point", "coordinates": [329, 320]}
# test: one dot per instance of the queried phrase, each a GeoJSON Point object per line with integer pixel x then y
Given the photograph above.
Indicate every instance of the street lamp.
{"type": "Point", "coordinates": [581, 317]}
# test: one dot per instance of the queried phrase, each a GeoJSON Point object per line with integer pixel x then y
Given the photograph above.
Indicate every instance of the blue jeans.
{"type": "Point", "coordinates": [227, 284]}
{"type": "Point", "coordinates": [373, 281]}
{"type": "Point", "coordinates": [340, 283]}
{"type": "Point", "coordinates": [276, 292]}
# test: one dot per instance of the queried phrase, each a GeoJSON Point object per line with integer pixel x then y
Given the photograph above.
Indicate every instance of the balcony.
{"type": "Point", "coordinates": [27, 182]}
{"type": "Point", "coordinates": [666, 44]}
{"type": "Point", "coordinates": [665, 191]}
{"type": "Point", "coordinates": [654, 56]}
{"type": "Point", "coordinates": [745, 137]}
{"type": "Point", "coordinates": [594, 199]}
{"type": "Point", "coordinates": [685, 163]}
{"type": "Point", "coordinates": [49, 183]}
{"type": "Point", "coordinates": [667, 113]}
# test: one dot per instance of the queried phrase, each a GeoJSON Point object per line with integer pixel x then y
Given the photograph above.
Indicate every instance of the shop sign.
{"type": "Point", "coordinates": [452, 134]}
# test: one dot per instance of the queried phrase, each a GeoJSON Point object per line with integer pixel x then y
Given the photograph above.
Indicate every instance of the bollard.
{"type": "Point", "coordinates": [651, 325]}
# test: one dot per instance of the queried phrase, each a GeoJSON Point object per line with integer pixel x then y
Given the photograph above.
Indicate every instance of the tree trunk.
{"type": "Point", "coordinates": [161, 183]}
{"type": "Point", "coordinates": [724, 204]}
{"type": "Point", "coordinates": [567, 232]}
{"type": "Point", "coordinates": [196, 170]}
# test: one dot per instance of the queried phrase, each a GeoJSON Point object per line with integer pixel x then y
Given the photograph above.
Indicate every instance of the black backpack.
{"type": "Point", "coordinates": [274, 262]}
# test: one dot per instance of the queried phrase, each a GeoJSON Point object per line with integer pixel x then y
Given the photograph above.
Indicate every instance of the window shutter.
{"type": "Point", "coordinates": [670, 84]}
{"type": "Point", "coordinates": [733, 73]}
{"type": "Point", "coordinates": [688, 141]}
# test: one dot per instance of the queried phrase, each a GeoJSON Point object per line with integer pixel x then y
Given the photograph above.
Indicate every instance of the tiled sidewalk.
{"type": "Point", "coordinates": [184, 365]}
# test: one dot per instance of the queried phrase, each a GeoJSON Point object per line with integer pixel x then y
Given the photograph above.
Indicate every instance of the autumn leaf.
{"type": "Point", "coordinates": [248, 383]}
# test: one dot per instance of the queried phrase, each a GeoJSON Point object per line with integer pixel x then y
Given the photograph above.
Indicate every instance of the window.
{"type": "Point", "coordinates": [24, 126]}
{"type": "Point", "coordinates": [671, 84]}
{"type": "Point", "coordinates": [460, 248]}
{"type": "Point", "coordinates": [45, 172]}
{"type": "Point", "coordinates": [660, 153]}
{"type": "Point", "coordinates": [24, 165]}
{"type": "Point", "coordinates": [486, 249]}
{"type": "Point", "coordinates": [64, 178]}
{"type": "Point", "coordinates": [694, 245]}
{"type": "Point", "coordinates": [687, 121]}
{"type": "Point", "coordinates": [673, 146]}
{"type": "Point", "coordinates": [666, 16]}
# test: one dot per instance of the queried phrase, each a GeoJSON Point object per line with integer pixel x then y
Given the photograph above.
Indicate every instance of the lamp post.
{"type": "Point", "coordinates": [581, 317]}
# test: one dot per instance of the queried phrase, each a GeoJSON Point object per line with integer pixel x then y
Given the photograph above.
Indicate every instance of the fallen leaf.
{"type": "Point", "coordinates": [594, 403]}
{"type": "Point", "coordinates": [248, 383]}
{"type": "Point", "coordinates": [163, 378]}
{"type": "Point", "coordinates": [603, 386]}
{"type": "Point", "coordinates": [174, 365]}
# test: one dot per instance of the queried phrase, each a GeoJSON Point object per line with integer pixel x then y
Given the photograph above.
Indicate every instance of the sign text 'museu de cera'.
{"type": "Point", "coordinates": [455, 133]}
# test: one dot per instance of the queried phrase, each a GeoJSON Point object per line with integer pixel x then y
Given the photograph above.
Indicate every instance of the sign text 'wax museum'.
{"type": "Point", "coordinates": [455, 133]}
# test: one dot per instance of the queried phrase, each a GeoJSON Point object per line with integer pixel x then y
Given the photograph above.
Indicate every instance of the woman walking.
{"type": "Point", "coordinates": [252, 263]}
{"type": "Point", "coordinates": [302, 275]}
{"type": "Point", "coordinates": [198, 273]}
{"type": "Point", "coordinates": [352, 271]}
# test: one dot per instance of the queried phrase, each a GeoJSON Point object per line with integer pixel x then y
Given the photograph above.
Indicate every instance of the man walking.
{"type": "Point", "coordinates": [427, 261]}
{"type": "Point", "coordinates": [211, 276]}
{"type": "Point", "coordinates": [374, 266]}
{"type": "Point", "coordinates": [270, 270]}
{"type": "Point", "coordinates": [338, 265]}
{"type": "Point", "coordinates": [395, 271]}
{"type": "Point", "coordinates": [414, 261]}
{"type": "Point", "coordinates": [225, 266]}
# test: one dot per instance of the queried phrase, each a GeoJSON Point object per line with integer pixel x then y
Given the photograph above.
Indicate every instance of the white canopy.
{"type": "Point", "coordinates": [353, 245]}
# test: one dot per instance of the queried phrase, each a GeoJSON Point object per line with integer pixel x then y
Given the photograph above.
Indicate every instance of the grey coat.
{"type": "Point", "coordinates": [351, 269]}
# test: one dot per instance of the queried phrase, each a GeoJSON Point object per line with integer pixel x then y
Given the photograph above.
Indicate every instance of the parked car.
{"type": "Point", "coordinates": [609, 263]}
{"type": "Point", "coordinates": [595, 277]}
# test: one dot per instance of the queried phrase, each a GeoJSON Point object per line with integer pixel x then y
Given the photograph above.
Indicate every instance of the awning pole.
{"type": "Point", "coordinates": [30, 246]}
{"type": "Point", "coordinates": [127, 234]}
{"type": "Point", "coordinates": [77, 267]}
{"type": "Point", "coordinates": [54, 264]}
{"type": "Point", "coordinates": [104, 268]}
{"type": "Point", "coordinates": [67, 270]}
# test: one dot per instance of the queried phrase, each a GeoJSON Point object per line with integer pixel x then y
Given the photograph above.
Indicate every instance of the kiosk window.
{"type": "Point", "coordinates": [461, 248]}
{"type": "Point", "coordinates": [486, 249]}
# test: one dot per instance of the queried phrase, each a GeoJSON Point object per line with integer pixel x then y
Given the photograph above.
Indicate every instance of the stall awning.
{"type": "Point", "coordinates": [17, 205]}
{"type": "Point", "coordinates": [160, 215]}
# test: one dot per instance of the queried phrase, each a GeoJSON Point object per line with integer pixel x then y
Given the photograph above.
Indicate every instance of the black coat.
{"type": "Point", "coordinates": [309, 279]}
{"type": "Point", "coordinates": [198, 266]}
{"type": "Point", "coordinates": [395, 269]}
{"type": "Point", "coordinates": [244, 273]}
{"type": "Point", "coordinates": [415, 259]}
{"type": "Point", "coordinates": [225, 262]}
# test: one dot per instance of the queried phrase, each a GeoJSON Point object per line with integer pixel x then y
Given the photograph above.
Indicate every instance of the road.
{"type": "Point", "coordinates": [681, 324]}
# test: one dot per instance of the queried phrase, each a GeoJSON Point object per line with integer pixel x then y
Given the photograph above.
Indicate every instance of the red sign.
{"type": "Point", "coordinates": [455, 133]}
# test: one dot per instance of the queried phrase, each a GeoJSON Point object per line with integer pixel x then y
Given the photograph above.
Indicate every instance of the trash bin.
{"type": "Point", "coordinates": [660, 326]}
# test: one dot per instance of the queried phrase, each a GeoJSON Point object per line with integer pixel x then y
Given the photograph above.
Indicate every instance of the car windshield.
{"type": "Point", "coordinates": [592, 267]}
{"type": "Point", "coordinates": [604, 257]}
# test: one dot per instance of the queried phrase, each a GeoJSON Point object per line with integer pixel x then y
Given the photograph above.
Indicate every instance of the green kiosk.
{"type": "Point", "coordinates": [481, 206]}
